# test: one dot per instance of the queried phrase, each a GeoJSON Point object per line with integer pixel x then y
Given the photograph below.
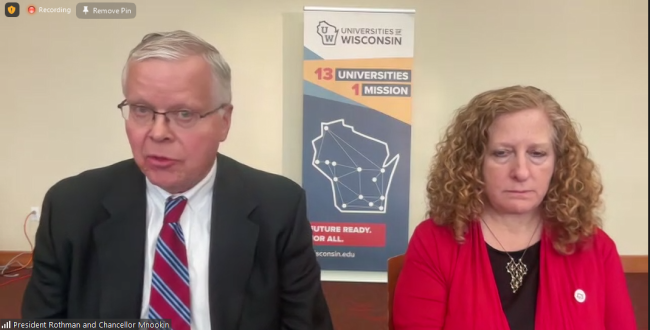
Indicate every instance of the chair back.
{"type": "Point", "coordinates": [394, 268]}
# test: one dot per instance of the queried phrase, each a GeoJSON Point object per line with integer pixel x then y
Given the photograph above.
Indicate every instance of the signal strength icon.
{"type": "Point", "coordinates": [7, 325]}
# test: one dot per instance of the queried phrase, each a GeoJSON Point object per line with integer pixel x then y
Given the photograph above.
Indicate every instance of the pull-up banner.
{"type": "Point", "coordinates": [357, 134]}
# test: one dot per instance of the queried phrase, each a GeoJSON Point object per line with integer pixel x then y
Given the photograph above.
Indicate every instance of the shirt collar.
{"type": "Point", "coordinates": [195, 195]}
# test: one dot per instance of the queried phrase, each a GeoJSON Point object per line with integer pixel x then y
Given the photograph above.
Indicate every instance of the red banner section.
{"type": "Point", "coordinates": [349, 234]}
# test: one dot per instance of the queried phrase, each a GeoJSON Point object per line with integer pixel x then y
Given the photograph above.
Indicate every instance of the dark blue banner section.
{"type": "Point", "coordinates": [356, 171]}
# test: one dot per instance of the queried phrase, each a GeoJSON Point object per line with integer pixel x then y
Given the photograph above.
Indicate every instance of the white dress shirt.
{"type": "Point", "coordinates": [195, 222]}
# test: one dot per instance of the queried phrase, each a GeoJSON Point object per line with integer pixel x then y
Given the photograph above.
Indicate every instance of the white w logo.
{"type": "Point", "coordinates": [327, 33]}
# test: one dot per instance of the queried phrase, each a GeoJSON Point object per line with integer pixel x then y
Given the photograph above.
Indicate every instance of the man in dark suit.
{"type": "Point", "coordinates": [180, 231]}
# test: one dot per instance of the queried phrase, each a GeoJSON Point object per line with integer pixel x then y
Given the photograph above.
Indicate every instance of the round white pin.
{"type": "Point", "coordinates": [580, 296]}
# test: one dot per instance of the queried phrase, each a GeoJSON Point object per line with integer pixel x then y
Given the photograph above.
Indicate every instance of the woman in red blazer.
{"type": "Point", "coordinates": [513, 239]}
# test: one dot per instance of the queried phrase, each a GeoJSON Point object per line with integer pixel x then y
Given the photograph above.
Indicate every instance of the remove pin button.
{"type": "Point", "coordinates": [106, 10]}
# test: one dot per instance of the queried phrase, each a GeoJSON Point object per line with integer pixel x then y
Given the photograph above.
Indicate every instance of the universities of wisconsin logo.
{"type": "Point", "coordinates": [328, 33]}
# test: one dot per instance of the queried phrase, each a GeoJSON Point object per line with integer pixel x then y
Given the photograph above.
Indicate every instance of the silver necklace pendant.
{"type": "Point", "coordinates": [517, 270]}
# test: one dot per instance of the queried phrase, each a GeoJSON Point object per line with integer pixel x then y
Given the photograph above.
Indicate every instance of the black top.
{"type": "Point", "coordinates": [518, 307]}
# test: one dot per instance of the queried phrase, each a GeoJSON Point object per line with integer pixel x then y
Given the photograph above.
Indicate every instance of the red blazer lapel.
{"type": "Point", "coordinates": [569, 297]}
{"type": "Point", "coordinates": [473, 288]}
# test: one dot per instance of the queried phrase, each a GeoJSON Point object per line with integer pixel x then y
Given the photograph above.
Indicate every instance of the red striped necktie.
{"type": "Point", "coordinates": [170, 280]}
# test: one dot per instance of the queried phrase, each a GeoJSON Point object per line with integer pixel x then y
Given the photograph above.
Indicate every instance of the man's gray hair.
{"type": "Point", "coordinates": [179, 44]}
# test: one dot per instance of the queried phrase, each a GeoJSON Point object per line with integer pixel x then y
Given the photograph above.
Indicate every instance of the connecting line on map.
{"type": "Point", "coordinates": [358, 167]}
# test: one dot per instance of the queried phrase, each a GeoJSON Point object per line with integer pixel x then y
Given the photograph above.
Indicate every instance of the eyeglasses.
{"type": "Point", "coordinates": [142, 115]}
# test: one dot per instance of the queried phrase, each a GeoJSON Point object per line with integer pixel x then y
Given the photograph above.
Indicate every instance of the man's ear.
{"type": "Point", "coordinates": [225, 117]}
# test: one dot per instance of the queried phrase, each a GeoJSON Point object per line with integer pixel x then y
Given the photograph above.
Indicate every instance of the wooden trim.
{"type": "Point", "coordinates": [631, 263]}
{"type": "Point", "coordinates": [6, 256]}
{"type": "Point", "coordinates": [635, 264]}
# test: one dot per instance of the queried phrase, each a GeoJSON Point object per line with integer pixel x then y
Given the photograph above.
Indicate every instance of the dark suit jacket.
{"type": "Point", "coordinates": [90, 250]}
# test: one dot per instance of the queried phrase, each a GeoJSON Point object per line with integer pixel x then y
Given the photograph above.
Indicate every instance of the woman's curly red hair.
{"type": "Point", "coordinates": [455, 184]}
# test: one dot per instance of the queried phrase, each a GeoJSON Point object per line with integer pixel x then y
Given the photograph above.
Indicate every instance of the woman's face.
{"type": "Point", "coordinates": [519, 162]}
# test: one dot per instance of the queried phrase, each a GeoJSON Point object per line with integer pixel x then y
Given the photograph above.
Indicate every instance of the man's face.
{"type": "Point", "coordinates": [520, 161]}
{"type": "Point", "coordinates": [172, 157]}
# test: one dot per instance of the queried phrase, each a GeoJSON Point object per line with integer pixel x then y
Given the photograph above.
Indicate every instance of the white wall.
{"type": "Point", "coordinates": [60, 84]}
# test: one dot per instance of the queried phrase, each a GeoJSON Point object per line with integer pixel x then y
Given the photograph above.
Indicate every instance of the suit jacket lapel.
{"type": "Point", "coordinates": [233, 240]}
{"type": "Point", "coordinates": [120, 242]}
